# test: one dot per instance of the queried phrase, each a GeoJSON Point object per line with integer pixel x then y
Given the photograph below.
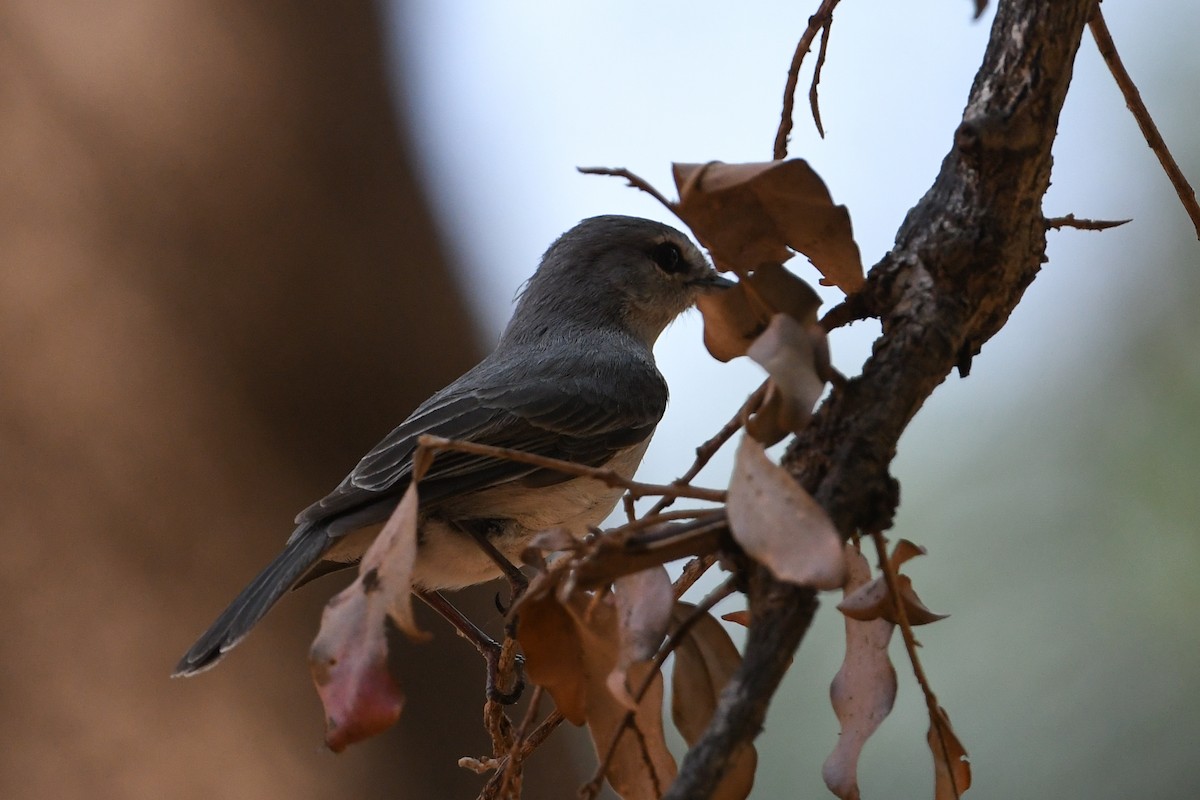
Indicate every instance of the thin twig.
{"type": "Point", "coordinates": [815, 23]}
{"type": "Point", "coordinates": [607, 563]}
{"type": "Point", "coordinates": [511, 769]}
{"type": "Point", "coordinates": [910, 644]}
{"type": "Point", "coordinates": [1133, 100]}
{"type": "Point", "coordinates": [608, 477]}
{"type": "Point", "coordinates": [497, 785]}
{"type": "Point", "coordinates": [816, 78]}
{"type": "Point", "coordinates": [630, 509]}
{"type": "Point", "coordinates": [858, 306]}
{"type": "Point", "coordinates": [592, 787]}
{"type": "Point", "coordinates": [634, 180]}
{"type": "Point", "coordinates": [706, 451]}
{"type": "Point", "coordinates": [650, 520]}
{"type": "Point", "coordinates": [692, 573]}
{"type": "Point", "coordinates": [1070, 221]}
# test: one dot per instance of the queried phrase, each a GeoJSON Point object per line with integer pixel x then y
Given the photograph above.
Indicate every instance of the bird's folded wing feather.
{"type": "Point", "coordinates": [573, 420]}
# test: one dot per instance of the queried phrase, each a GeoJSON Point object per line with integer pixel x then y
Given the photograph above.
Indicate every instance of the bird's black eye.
{"type": "Point", "coordinates": [668, 258]}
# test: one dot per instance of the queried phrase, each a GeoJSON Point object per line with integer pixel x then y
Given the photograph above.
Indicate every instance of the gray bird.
{"type": "Point", "coordinates": [573, 378]}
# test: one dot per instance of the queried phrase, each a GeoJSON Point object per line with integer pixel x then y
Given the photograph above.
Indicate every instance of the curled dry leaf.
{"type": "Point", "coordinates": [779, 525]}
{"type": "Point", "coordinates": [572, 646]}
{"type": "Point", "coordinates": [731, 323]}
{"type": "Point", "coordinates": [952, 770]}
{"type": "Point", "coordinates": [734, 318]}
{"type": "Point", "coordinates": [753, 214]}
{"type": "Point", "coordinates": [349, 656]}
{"type": "Point", "coordinates": [771, 315]}
{"type": "Point", "coordinates": [864, 689]}
{"type": "Point", "coordinates": [554, 656]}
{"type": "Point", "coordinates": [705, 660]}
{"type": "Point", "coordinates": [871, 600]}
{"type": "Point", "coordinates": [796, 358]}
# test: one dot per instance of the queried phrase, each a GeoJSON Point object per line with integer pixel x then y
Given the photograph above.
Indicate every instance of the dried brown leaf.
{"type": "Point", "coordinates": [779, 525]}
{"type": "Point", "coordinates": [952, 770]}
{"type": "Point", "coordinates": [705, 660]}
{"type": "Point", "coordinates": [642, 767]}
{"type": "Point", "coordinates": [778, 291]}
{"type": "Point", "coordinates": [753, 214]}
{"type": "Point", "coordinates": [864, 689]}
{"type": "Point", "coordinates": [572, 646]}
{"type": "Point", "coordinates": [741, 617]}
{"type": "Point", "coordinates": [915, 610]}
{"type": "Point", "coordinates": [731, 323]}
{"type": "Point", "coordinates": [554, 656]}
{"type": "Point", "coordinates": [734, 318]}
{"type": "Point", "coordinates": [348, 658]}
{"type": "Point", "coordinates": [903, 552]}
{"type": "Point", "coordinates": [871, 601]}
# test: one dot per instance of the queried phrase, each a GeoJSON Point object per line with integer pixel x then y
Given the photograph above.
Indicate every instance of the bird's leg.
{"type": "Point", "coordinates": [517, 582]}
{"type": "Point", "coordinates": [488, 647]}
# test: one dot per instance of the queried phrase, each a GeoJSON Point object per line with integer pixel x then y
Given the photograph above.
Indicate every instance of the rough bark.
{"type": "Point", "coordinates": [962, 260]}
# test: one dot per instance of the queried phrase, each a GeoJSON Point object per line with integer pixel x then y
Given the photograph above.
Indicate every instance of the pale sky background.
{"type": "Point", "coordinates": [1080, 689]}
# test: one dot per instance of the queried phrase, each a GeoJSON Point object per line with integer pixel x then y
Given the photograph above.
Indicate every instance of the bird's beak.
{"type": "Point", "coordinates": [712, 282]}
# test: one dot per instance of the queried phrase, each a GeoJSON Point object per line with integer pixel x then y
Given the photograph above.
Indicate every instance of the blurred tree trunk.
{"type": "Point", "coordinates": [214, 259]}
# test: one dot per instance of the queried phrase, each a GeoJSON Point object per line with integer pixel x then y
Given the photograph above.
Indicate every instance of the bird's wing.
{"type": "Point", "coordinates": [585, 421]}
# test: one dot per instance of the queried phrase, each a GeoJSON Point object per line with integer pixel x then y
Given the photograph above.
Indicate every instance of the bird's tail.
{"type": "Point", "coordinates": [303, 550]}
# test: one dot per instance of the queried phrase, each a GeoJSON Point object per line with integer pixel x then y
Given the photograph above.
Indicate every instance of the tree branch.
{"type": "Point", "coordinates": [963, 257]}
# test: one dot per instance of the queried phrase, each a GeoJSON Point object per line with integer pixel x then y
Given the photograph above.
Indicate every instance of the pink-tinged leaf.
{"type": "Point", "coordinates": [952, 770]}
{"type": "Point", "coordinates": [349, 656]}
{"type": "Point", "coordinates": [864, 689]}
{"type": "Point", "coordinates": [349, 666]}
{"type": "Point", "coordinates": [644, 603]}
{"type": "Point", "coordinates": [779, 525]}
{"type": "Point", "coordinates": [869, 601]}
{"type": "Point", "coordinates": [705, 660]}
{"type": "Point", "coordinates": [389, 563]}
{"type": "Point", "coordinates": [795, 357]}
{"type": "Point", "coordinates": [753, 214]}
